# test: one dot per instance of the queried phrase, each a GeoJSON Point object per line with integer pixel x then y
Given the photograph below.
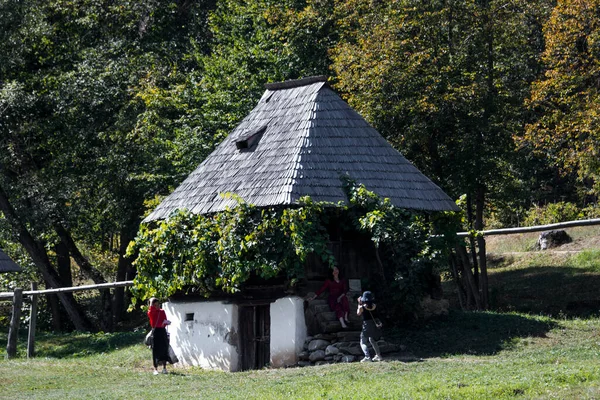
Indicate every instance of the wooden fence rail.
{"type": "Point", "coordinates": [17, 297]}
{"type": "Point", "coordinates": [109, 285]}
{"type": "Point", "coordinates": [537, 228]}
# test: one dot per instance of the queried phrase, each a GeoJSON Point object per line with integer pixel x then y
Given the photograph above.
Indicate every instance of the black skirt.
{"type": "Point", "coordinates": [369, 329]}
{"type": "Point", "coordinates": [160, 348]}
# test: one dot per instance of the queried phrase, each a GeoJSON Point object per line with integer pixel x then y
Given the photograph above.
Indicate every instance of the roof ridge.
{"type": "Point", "coordinates": [296, 82]}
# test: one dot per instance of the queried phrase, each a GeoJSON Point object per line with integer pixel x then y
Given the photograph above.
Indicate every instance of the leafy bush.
{"type": "Point", "coordinates": [591, 212]}
{"type": "Point", "coordinates": [552, 213]}
{"type": "Point", "coordinates": [222, 251]}
{"type": "Point", "coordinates": [412, 249]}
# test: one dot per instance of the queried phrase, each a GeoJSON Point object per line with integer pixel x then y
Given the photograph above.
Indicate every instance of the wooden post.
{"type": "Point", "coordinates": [32, 322]}
{"type": "Point", "coordinates": [483, 281]}
{"type": "Point", "coordinates": [13, 332]}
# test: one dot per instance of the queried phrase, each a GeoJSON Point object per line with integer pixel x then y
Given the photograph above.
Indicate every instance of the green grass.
{"type": "Point", "coordinates": [555, 284]}
{"type": "Point", "coordinates": [465, 355]}
{"type": "Point", "coordinates": [540, 341]}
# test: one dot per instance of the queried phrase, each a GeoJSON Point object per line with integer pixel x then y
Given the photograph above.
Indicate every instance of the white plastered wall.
{"type": "Point", "coordinates": [288, 331]}
{"type": "Point", "coordinates": [208, 340]}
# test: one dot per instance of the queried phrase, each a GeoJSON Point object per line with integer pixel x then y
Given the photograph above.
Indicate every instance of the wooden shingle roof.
{"type": "Point", "coordinates": [8, 265]}
{"type": "Point", "coordinates": [299, 140]}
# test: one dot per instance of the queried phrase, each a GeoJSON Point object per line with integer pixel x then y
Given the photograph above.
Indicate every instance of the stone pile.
{"type": "Point", "coordinates": [328, 348]}
{"type": "Point", "coordinates": [554, 238]}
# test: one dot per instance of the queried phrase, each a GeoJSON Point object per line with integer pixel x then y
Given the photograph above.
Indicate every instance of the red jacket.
{"type": "Point", "coordinates": [157, 317]}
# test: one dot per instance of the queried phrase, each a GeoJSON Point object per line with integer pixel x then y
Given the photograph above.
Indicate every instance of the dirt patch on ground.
{"type": "Point", "coordinates": [584, 238]}
{"type": "Point", "coordinates": [585, 243]}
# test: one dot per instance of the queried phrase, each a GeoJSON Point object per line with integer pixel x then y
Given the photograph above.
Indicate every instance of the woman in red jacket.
{"type": "Point", "coordinates": [160, 346]}
{"type": "Point", "coordinates": [337, 299]}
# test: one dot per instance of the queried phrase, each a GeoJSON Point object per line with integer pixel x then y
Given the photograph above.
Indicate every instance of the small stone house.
{"type": "Point", "coordinates": [300, 139]}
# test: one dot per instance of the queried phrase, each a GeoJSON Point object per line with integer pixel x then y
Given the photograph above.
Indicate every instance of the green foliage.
{"type": "Point", "coordinates": [592, 211]}
{"type": "Point", "coordinates": [565, 99]}
{"type": "Point", "coordinates": [552, 213]}
{"type": "Point", "coordinates": [253, 43]}
{"type": "Point", "coordinates": [442, 81]}
{"type": "Point", "coordinates": [412, 248]}
{"type": "Point", "coordinates": [221, 252]}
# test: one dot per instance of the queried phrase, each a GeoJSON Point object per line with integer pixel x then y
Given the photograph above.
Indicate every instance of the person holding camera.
{"type": "Point", "coordinates": [160, 345]}
{"type": "Point", "coordinates": [371, 327]}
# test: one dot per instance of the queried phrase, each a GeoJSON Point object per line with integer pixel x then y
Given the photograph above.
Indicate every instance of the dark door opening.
{"type": "Point", "coordinates": [255, 341]}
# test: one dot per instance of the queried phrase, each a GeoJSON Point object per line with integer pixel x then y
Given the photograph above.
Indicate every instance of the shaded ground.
{"type": "Point", "coordinates": [555, 291]}
{"type": "Point", "coordinates": [74, 344]}
{"type": "Point", "coordinates": [468, 333]}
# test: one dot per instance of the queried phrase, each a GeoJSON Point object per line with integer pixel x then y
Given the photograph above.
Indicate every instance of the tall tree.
{"type": "Point", "coordinates": [256, 42]}
{"type": "Point", "coordinates": [444, 81]}
{"type": "Point", "coordinates": [87, 134]}
{"type": "Point", "coordinates": [566, 98]}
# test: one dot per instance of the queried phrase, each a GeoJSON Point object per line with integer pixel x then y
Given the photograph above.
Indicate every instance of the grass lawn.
{"type": "Point", "coordinates": [541, 341]}
{"type": "Point", "coordinates": [465, 355]}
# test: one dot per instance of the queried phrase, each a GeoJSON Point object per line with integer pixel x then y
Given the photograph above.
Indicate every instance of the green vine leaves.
{"type": "Point", "coordinates": [221, 251]}
{"type": "Point", "coordinates": [204, 254]}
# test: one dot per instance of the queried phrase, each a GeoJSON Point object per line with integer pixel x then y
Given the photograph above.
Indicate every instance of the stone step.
{"type": "Point", "coordinates": [348, 336]}
{"type": "Point", "coordinates": [335, 327]}
{"type": "Point", "coordinates": [319, 308]}
{"type": "Point", "coordinates": [327, 316]}
{"type": "Point", "coordinates": [330, 326]}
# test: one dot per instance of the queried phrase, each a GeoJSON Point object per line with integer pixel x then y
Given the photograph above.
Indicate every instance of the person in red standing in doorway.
{"type": "Point", "coordinates": [338, 301]}
{"type": "Point", "coordinates": [160, 347]}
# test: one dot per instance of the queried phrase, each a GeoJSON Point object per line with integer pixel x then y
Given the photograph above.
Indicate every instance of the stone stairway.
{"type": "Point", "coordinates": [328, 348]}
{"type": "Point", "coordinates": [320, 319]}
{"type": "Point", "coordinates": [328, 342]}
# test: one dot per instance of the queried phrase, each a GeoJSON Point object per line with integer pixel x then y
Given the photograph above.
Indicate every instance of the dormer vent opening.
{"type": "Point", "coordinates": [251, 139]}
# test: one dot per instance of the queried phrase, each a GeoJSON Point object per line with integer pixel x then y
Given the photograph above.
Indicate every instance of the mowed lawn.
{"type": "Point", "coordinates": [489, 356]}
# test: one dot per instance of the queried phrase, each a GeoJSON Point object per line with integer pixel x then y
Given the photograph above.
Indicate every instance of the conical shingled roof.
{"type": "Point", "coordinates": [8, 265]}
{"type": "Point", "coordinates": [299, 140]}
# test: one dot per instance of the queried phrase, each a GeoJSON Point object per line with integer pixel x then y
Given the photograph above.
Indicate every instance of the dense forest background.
{"type": "Point", "coordinates": [106, 106]}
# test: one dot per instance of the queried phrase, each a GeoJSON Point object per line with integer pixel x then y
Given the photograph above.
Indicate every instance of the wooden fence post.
{"type": "Point", "coordinates": [13, 331]}
{"type": "Point", "coordinates": [32, 322]}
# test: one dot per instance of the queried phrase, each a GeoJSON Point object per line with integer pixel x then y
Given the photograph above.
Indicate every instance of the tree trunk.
{"type": "Point", "coordinates": [42, 262]}
{"type": "Point", "coordinates": [462, 252]}
{"type": "Point", "coordinates": [54, 306]}
{"type": "Point", "coordinates": [472, 244]}
{"type": "Point", "coordinates": [462, 298]}
{"type": "Point", "coordinates": [483, 281]}
{"type": "Point", "coordinates": [63, 262]}
{"type": "Point", "coordinates": [381, 269]}
{"type": "Point", "coordinates": [86, 267]}
{"type": "Point", "coordinates": [488, 21]}
{"type": "Point", "coordinates": [91, 272]}
{"type": "Point", "coordinates": [122, 268]}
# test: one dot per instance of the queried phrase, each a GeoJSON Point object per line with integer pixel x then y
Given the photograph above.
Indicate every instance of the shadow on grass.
{"type": "Point", "coordinates": [472, 333]}
{"type": "Point", "coordinates": [560, 292]}
{"type": "Point", "coordinates": [75, 344]}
